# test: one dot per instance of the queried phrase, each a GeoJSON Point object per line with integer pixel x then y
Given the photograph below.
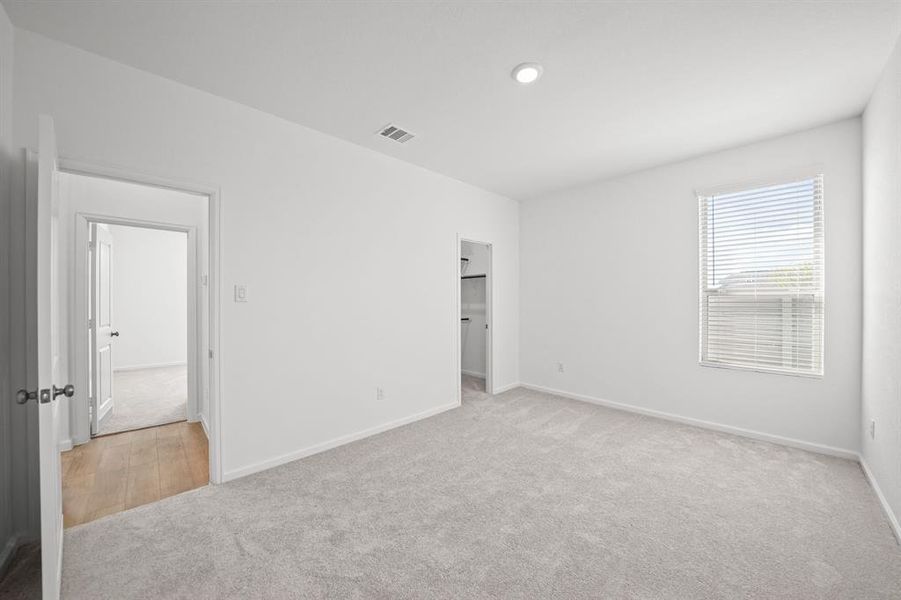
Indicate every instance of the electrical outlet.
{"type": "Point", "coordinates": [379, 394]}
{"type": "Point", "coordinates": [560, 367]}
{"type": "Point", "coordinates": [872, 429]}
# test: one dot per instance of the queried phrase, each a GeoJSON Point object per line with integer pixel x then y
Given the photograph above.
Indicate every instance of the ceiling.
{"type": "Point", "coordinates": [626, 85]}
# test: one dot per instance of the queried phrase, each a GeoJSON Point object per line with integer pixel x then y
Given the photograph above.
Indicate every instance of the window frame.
{"type": "Point", "coordinates": [812, 172]}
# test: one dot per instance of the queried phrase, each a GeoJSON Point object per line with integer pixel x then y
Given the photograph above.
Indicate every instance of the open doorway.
{"type": "Point", "coordinates": [475, 318]}
{"type": "Point", "coordinates": [138, 327]}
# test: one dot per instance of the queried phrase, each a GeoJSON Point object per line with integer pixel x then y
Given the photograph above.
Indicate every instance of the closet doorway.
{"type": "Point", "coordinates": [475, 318]}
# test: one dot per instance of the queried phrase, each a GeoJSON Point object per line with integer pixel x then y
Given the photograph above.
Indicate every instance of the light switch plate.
{"type": "Point", "coordinates": [240, 293]}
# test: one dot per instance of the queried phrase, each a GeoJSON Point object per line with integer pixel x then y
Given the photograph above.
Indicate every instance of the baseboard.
{"type": "Point", "coordinates": [206, 428]}
{"type": "Point", "coordinates": [889, 513]}
{"type": "Point", "coordinates": [7, 552]}
{"type": "Point", "coordinates": [65, 445]}
{"type": "Point", "coordinates": [507, 388]}
{"type": "Point", "coordinates": [334, 443]}
{"type": "Point", "coordinates": [473, 373]}
{"type": "Point", "coordinates": [748, 433]}
{"type": "Point", "coordinates": [150, 366]}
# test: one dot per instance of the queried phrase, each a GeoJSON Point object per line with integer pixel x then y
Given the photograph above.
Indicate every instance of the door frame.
{"type": "Point", "coordinates": [82, 288]}
{"type": "Point", "coordinates": [208, 312]}
{"type": "Point", "coordinates": [489, 315]}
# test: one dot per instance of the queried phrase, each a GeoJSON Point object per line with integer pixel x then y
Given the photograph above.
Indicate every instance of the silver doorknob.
{"type": "Point", "coordinates": [68, 391]}
{"type": "Point", "coordinates": [43, 396]}
{"type": "Point", "coordinates": [23, 396]}
{"type": "Point", "coordinates": [114, 334]}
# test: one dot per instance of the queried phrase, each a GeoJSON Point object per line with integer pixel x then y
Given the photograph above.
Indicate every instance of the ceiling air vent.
{"type": "Point", "coordinates": [393, 132]}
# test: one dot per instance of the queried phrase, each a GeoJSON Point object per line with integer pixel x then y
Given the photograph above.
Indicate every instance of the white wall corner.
{"type": "Point", "coordinates": [886, 507]}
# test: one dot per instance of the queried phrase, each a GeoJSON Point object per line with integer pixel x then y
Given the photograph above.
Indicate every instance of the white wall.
{"type": "Point", "coordinates": [610, 289]}
{"type": "Point", "coordinates": [326, 236]}
{"type": "Point", "coordinates": [473, 304]}
{"type": "Point", "coordinates": [882, 283]}
{"type": "Point", "coordinates": [150, 297]}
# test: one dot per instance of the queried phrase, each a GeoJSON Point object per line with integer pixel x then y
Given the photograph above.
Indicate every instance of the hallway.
{"type": "Point", "coordinates": [113, 473]}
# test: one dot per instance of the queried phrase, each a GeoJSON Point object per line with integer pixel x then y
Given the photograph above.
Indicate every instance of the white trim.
{"type": "Point", "coordinates": [892, 519]}
{"type": "Point", "coordinates": [776, 178]}
{"type": "Point", "coordinates": [507, 388]}
{"type": "Point", "coordinates": [65, 445]}
{"type": "Point", "coordinates": [80, 332]}
{"type": "Point", "coordinates": [334, 443]}
{"type": "Point", "coordinates": [748, 433]}
{"type": "Point", "coordinates": [473, 374]}
{"type": "Point", "coordinates": [59, 559]}
{"type": "Point", "coordinates": [206, 428]}
{"type": "Point", "coordinates": [489, 315]}
{"type": "Point", "coordinates": [737, 367]}
{"type": "Point", "coordinates": [151, 366]}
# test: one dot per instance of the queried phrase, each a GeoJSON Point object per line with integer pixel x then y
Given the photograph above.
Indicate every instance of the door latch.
{"type": "Point", "coordinates": [46, 394]}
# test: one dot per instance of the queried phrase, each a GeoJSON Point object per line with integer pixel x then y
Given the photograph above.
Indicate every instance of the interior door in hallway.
{"type": "Point", "coordinates": [102, 332]}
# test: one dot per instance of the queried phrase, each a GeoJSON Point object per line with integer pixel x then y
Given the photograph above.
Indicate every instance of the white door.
{"type": "Point", "coordinates": [102, 333]}
{"type": "Point", "coordinates": [42, 325]}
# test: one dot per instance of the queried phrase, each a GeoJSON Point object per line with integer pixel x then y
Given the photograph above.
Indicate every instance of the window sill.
{"type": "Point", "coordinates": [716, 365]}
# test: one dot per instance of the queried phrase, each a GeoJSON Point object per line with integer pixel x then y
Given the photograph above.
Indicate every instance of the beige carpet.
{"type": "Point", "coordinates": [473, 387]}
{"type": "Point", "coordinates": [147, 397]}
{"type": "Point", "coordinates": [521, 495]}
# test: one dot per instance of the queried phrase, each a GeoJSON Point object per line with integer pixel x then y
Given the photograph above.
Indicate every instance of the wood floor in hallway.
{"type": "Point", "coordinates": [113, 473]}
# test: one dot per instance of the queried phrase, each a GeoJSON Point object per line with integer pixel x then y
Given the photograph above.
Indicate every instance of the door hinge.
{"type": "Point", "coordinates": [210, 353]}
{"type": "Point", "coordinates": [205, 279]}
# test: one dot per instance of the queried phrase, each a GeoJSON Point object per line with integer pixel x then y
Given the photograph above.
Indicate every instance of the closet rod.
{"type": "Point", "coordinates": [472, 276]}
{"type": "Point", "coordinates": [464, 318]}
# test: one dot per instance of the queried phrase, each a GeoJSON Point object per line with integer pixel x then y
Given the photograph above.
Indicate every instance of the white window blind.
{"type": "Point", "coordinates": [761, 259]}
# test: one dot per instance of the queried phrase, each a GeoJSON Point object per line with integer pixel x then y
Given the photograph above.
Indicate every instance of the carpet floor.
{"type": "Point", "coordinates": [147, 397]}
{"type": "Point", "coordinates": [22, 581]}
{"type": "Point", "coordinates": [520, 495]}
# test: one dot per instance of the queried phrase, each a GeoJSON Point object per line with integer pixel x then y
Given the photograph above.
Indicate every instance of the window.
{"type": "Point", "coordinates": [762, 278]}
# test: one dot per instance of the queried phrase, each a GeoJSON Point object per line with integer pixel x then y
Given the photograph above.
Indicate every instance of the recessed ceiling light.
{"type": "Point", "coordinates": [527, 73]}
